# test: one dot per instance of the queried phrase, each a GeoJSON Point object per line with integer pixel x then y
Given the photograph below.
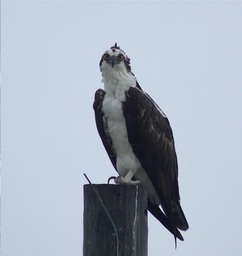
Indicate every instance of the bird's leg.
{"type": "Point", "coordinates": [127, 179]}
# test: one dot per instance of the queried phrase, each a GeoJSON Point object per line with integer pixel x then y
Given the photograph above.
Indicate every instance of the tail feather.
{"type": "Point", "coordinates": [178, 216]}
{"type": "Point", "coordinates": [156, 211]}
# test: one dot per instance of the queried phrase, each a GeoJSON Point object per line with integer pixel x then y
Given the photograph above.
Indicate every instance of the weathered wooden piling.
{"type": "Point", "coordinates": [121, 229]}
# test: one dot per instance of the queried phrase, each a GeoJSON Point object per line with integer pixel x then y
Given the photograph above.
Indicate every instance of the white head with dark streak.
{"type": "Point", "coordinates": [116, 69]}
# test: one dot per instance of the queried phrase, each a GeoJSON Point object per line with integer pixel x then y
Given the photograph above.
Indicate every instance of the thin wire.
{"type": "Point", "coordinates": [109, 216]}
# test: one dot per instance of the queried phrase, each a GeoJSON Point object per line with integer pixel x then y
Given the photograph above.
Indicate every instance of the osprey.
{"type": "Point", "coordinates": [138, 139]}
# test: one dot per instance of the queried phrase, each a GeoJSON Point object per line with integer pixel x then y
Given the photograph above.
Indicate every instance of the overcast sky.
{"type": "Point", "coordinates": [186, 55]}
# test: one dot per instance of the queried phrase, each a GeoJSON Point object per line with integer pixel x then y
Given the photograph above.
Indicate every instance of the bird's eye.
{"type": "Point", "coordinates": [106, 56]}
{"type": "Point", "coordinates": [120, 57]}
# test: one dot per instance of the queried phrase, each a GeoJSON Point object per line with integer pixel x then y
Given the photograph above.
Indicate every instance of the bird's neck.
{"type": "Point", "coordinates": [117, 82]}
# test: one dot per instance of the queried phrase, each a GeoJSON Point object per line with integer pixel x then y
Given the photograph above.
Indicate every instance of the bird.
{"type": "Point", "coordinates": [138, 139]}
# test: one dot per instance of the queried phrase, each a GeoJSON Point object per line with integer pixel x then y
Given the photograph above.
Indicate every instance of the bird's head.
{"type": "Point", "coordinates": [115, 59]}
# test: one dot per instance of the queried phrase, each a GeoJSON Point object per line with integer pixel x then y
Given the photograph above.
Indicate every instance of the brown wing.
{"type": "Point", "coordinates": [151, 137]}
{"type": "Point", "coordinates": [102, 126]}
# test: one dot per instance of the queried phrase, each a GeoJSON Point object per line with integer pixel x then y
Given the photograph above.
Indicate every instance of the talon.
{"type": "Point", "coordinates": [123, 180]}
{"type": "Point", "coordinates": [119, 180]}
{"type": "Point", "coordinates": [111, 178]}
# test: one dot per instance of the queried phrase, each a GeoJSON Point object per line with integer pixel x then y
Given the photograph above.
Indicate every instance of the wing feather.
{"type": "Point", "coordinates": [101, 124]}
{"type": "Point", "coordinates": [151, 138]}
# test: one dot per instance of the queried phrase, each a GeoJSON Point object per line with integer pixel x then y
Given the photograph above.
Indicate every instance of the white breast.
{"type": "Point", "coordinates": [116, 83]}
{"type": "Point", "coordinates": [113, 112]}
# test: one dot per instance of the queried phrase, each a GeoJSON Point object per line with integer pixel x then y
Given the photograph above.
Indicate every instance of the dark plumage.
{"type": "Point", "coordinates": [150, 137]}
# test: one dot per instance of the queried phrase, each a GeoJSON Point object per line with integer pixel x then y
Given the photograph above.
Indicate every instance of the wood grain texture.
{"type": "Point", "coordinates": [127, 206]}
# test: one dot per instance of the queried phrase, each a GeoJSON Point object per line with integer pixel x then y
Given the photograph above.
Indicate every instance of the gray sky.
{"type": "Point", "coordinates": [186, 55]}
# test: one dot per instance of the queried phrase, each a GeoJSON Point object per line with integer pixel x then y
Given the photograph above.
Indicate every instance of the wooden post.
{"type": "Point", "coordinates": [127, 206]}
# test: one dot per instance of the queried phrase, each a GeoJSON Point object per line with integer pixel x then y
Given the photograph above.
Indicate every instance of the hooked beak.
{"type": "Point", "coordinates": [113, 61]}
